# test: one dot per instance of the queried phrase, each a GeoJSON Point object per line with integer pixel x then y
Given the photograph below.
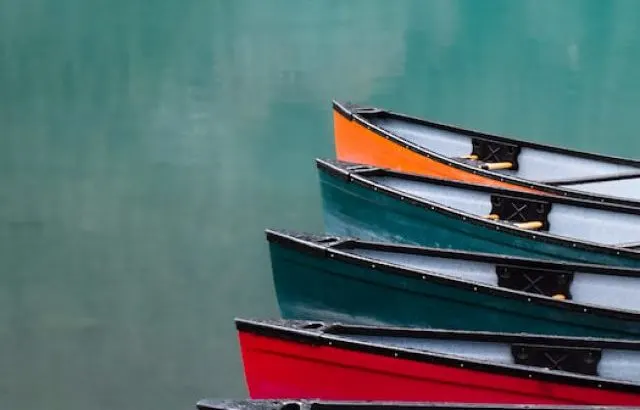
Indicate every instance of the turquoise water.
{"type": "Point", "coordinates": [144, 147]}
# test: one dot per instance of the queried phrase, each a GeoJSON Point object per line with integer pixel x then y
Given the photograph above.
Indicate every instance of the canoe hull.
{"type": "Point", "coordinates": [315, 286]}
{"type": "Point", "coordinates": [380, 138]}
{"type": "Point", "coordinates": [355, 143]}
{"type": "Point", "coordinates": [351, 209]}
{"type": "Point", "coordinates": [283, 368]}
{"type": "Point", "coordinates": [301, 404]}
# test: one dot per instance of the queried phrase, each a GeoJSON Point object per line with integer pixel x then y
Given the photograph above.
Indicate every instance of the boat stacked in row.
{"type": "Point", "coordinates": [457, 269]}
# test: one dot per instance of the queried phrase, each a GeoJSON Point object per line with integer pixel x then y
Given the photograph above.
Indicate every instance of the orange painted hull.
{"type": "Point", "coordinates": [356, 143]}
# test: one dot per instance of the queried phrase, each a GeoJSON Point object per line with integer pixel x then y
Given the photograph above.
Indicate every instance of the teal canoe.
{"type": "Point", "coordinates": [332, 278]}
{"type": "Point", "coordinates": [379, 204]}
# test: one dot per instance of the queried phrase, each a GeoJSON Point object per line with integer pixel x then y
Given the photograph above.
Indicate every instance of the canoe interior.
{"type": "Point", "coordinates": [581, 222]}
{"type": "Point", "coordinates": [605, 358]}
{"type": "Point", "coordinates": [536, 164]}
{"type": "Point", "coordinates": [614, 364]}
{"type": "Point", "coordinates": [628, 187]}
{"type": "Point", "coordinates": [600, 289]}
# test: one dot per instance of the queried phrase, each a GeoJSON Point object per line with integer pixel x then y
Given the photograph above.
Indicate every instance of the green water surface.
{"type": "Point", "coordinates": [145, 145]}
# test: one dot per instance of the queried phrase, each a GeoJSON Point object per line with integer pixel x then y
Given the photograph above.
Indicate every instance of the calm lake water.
{"type": "Point", "coordinates": [145, 146]}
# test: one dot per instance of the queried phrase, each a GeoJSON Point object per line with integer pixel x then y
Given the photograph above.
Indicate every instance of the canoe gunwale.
{"type": "Point", "coordinates": [317, 337]}
{"type": "Point", "coordinates": [349, 177]}
{"type": "Point", "coordinates": [291, 238]}
{"type": "Point", "coordinates": [343, 108]}
{"type": "Point", "coordinates": [577, 202]}
{"type": "Point", "coordinates": [608, 178]}
{"type": "Point", "coordinates": [315, 404]}
{"type": "Point", "coordinates": [336, 329]}
{"type": "Point", "coordinates": [471, 286]}
{"type": "Point", "coordinates": [300, 241]}
{"type": "Point", "coordinates": [540, 186]}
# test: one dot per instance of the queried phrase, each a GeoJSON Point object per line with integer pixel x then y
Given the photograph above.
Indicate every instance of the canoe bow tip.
{"type": "Point", "coordinates": [297, 235]}
{"type": "Point", "coordinates": [277, 232]}
{"type": "Point", "coordinates": [349, 109]}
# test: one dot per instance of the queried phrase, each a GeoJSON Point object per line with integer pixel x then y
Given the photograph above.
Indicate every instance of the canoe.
{"type": "Point", "coordinates": [334, 361]}
{"type": "Point", "coordinates": [380, 204]}
{"type": "Point", "coordinates": [373, 136]}
{"type": "Point", "coordinates": [301, 404]}
{"type": "Point", "coordinates": [343, 279]}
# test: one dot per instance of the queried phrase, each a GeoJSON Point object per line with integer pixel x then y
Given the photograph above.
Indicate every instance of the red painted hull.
{"type": "Point", "coordinates": [276, 368]}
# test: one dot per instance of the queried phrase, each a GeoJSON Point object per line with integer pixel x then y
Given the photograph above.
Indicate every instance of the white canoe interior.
{"type": "Point", "coordinates": [572, 222]}
{"type": "Point", "coordinates": [603, 290]}
{"type": "Point", "coordinates": [535, 164]}
{"type": "Point", "coordinates": [617, 363]}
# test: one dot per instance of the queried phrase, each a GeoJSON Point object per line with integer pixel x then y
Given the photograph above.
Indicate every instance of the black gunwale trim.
{"type": "Point", "coordinates": [609, 178]}
{"type": "Point", "coordinates": [292, 239]}
{"type": "Point", "coordinates": [338, 328]}
{"type": "Point", "coordinates": [577, 202]}
{"type": "Point", "coordinates": [284, 330]}
{"type": "Point", "coordinates": [337, 171]}
{"type": "Point", "coordinates": [338, 254]}
{"type": "Point", "coordinates": [630, 245]}
{"type": "Point", "coordinates": [316, 404]}
{"type": "Point", "coordinates": [563, 192]}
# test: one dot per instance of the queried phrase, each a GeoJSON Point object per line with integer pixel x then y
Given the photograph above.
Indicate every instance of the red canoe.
{"type": "Point", "coordinates": [311, 360]}
{"type": "Point", "coordinates": [297, 404]}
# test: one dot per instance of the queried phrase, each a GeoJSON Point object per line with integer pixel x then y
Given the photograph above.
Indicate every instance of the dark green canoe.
{"type": "Point", "coordinates": [342, 279]}
{"type": "Point", "coordinates": [372, 203]}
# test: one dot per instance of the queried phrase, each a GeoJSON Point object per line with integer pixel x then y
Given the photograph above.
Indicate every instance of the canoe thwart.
{"type": "Point", "coordinates": [580, 360]}
{"type": "Point", "coordinates": [495, 152]}
{"type": "Point", "coordinates": [524, 213]}
{"type": "Point", "coordinates": [552, 283]}
{"type": "Point", "coordinates": [497, 165]}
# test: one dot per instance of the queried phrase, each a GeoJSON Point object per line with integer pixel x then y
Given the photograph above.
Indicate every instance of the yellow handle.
{"type": "Point", "coordinates": [497, 165]}
{"type": "Point", "coordinates": [529, 225]}
{"type": "Point", "coordinates": [522, 225]}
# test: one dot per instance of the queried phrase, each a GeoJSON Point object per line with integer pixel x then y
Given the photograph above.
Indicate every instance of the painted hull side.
{"type": "Point", "coordinates": [318, 288]}
{"type": "Point", "coordinates": [355, 143]}
{"type": "Point", "coordinates": [282, 369]}
{"type": "Point", "coordinates": [353, 210]}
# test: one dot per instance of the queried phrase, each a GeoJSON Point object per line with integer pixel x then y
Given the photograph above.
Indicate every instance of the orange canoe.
{"type": "Point", "coordinates": [373, 136]}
